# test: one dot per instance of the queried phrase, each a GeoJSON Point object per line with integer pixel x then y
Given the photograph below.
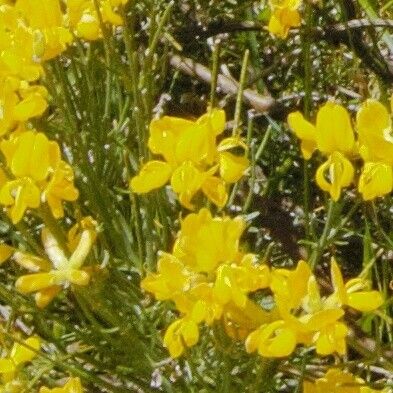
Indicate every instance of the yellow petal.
{"type": "Point", "coordinates": [21, 354]}
{"type": "Point", "coordinates": [154, 174]}
{"type": "Point", "coordinates": [7, 366]}
{"type": "Point", "coordinates": [338, 282]}
{"type": "Point", "coordinates": [165, 133]}
{"type": "Point", "coordinates": [323, 318]}
{"type": "Point", "coordinates": [32, 106]}
{"type": "Point", "coordinates": [334, 174]}
{"type": "Point", "coordinates": [172, 339]}
{"type": "Point", "coordinates": [305, 131]}
{"type": "Point", "coordinates": [365, 301]}
{"type": "Point", "coordinates": [83, 248]}
{"type": "Point", "coordinates": [215, 189]}
{"type": "Point", "coordinates": [376, 180]}
{"type": "Point", "coordinates": [281, 20]}
{"type": "Point", "coordinates": [372, 120]}
{"type": "Point", "coordinates": [215, 119]}
{"type": "Point", "coordinates": [334, 129]}
{"type": "Point", "coordinates": [186, 181]}
{"type": "Point", "coordinates": [47, 15]}
{"type": "Point", "coordinates": [46, 295]}
{"type": "Point", "coordinates": [232, 167]}
{"type": "Point", "coordinates": [5, 252]}
{"type": "Point", "coordinates": [194, 144]}
{"type": "Point", "coordinates": [190, 332]}
{"type": "Point", "coordinates": [78, 277]}
{"type": "Point", "coordinates": [34, 282]}
{"type": "Point", "coordinates": [88, 27]}
{"type": "Point", "coordinates": [283, 344]}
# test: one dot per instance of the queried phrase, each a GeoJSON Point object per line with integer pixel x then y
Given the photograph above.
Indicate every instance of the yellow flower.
{"type": "Point", "coordinates": [232, 167]}
{"type": "Point", "coordinates": [331, 339]}
{"type": "Point", "coordinates": [272, 340]}
{"type": "Point", "coordinates": [73, 385]}
{"type": "Point", "coordinates": [305, 131]}
{"type": "Point", "coordinates": [352, 293]}
{"type": "Point", "coordinates": [285, 15]}
{"type": "Point", "coordinates": [338, 381]}
{"type": "Point", "coordinates": [374, 127]}
{"type": "Point", "coordinates": [205, 241]}
{"type": "Point", "coordinates": [20, 354]}
{"type": "Point", "coordinates": [208, 279]}
{"type": "Point", "coordinates": [60, 188]}
{"type": "Point", "coordinates": [35, 163]}
{"type": "Point", "coordinates": [83, 18]}
{"type": "Point", "coordinates": [19, 195]}
{"type": "Point", "coordinates": [172, 278]}
{"type": "Point", "coordinates": [332, 133]}
{"type": "Point", "coordinates": [29, 154]}
{"type": "Point", "coordinates": [47, 23]}
{"type": "Point", "coordinates": [376, 180]}
{"type": "Point", "coordinates": [334, 174]}
{"type": "Point", "coordinates": [187, 180]}
{"type": "Point", "coordinates": [19, 102]}
{"type": "Point", "coordinates": [181, 333]}
{"type": "Point", "coordinates": [282, 20]}
{"type": "Point", "coordinates": [18, 57]}
{"type": "Point", "coordinates": [191, 158]}
{"type": "Point", "coordinates": [58, 270]}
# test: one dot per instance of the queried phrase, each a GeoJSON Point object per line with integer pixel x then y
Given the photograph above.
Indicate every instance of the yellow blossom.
{"type": "Point", "coordinates": [374, 127]}
{"type": "Point", "coordinates": [334, 174]}
{"type": "Point", "coordinates": [19, 102]}
{"type": "Point", "coordinates": [39, 175]}
{"type": "Point", "coordinates": [60, 188]}
{"type": "Point", "coordinates": [354, 293]}
{"type": "Point", "coordinates": [19, 355]}
{"type": "Point", "coordinates": [47, 22]}
{"type": "Point", "coordinates": [172, 277]}
{"type": "Point", "coordinates": [332, 132]}
{"type": "Point", "coordinates": [205, 241]}
{"type": "Point", "coordinates": [338, 381]}
{"type": "Point", "coordinates": [272, 340]}
{"type": "Point", "coordinates": [83, 19]}
{"type": "Point", "coordinates": [18, 57]}
{"type": "Point", "coordinates": [181, 333]}
{"type": "Point", "coordinates": [208, 279]}
{"type": "Point", "coordinates": [285, 15]}
{"type": "Point", "coordinates": [191, 158]}
{"type": "Point", "coordinates": [58, 270]}
{"type": "Point", "coordinates": [334, 137]}
{"type": "Point", "coordinates": [376, 180]}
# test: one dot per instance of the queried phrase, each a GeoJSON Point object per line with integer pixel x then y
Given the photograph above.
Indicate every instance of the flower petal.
{"type": "Point", "coordinates": [154, 174]}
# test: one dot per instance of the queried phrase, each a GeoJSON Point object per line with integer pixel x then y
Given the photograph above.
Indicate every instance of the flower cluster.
{"type": "Point", "coordinates": [284, 15]}
{"type": "Point", "coordinates": [192, 159]}
{"type": "Point", "coordinates": [34, 173]}
{"type": "Point", "coordinates": [57, 270]}
{"type": "Point", "coordinates": [333, 135]}
{"type": "Point", "coordinates": [307, 318]}
{"type": "Point", "coordinates": [209, 279]}
{"type": "Point", "coordinates": [338, 381]}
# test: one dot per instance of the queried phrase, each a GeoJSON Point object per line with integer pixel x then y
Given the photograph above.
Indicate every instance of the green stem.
{"type": "Point", "coordinates": [239, 99]}
{"type": "Point", "coordinates": [317, 252]}
{"type": "Point", "coordinates": [216, 61]}
{"type": "Point", "coordinates": [307, 42]}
